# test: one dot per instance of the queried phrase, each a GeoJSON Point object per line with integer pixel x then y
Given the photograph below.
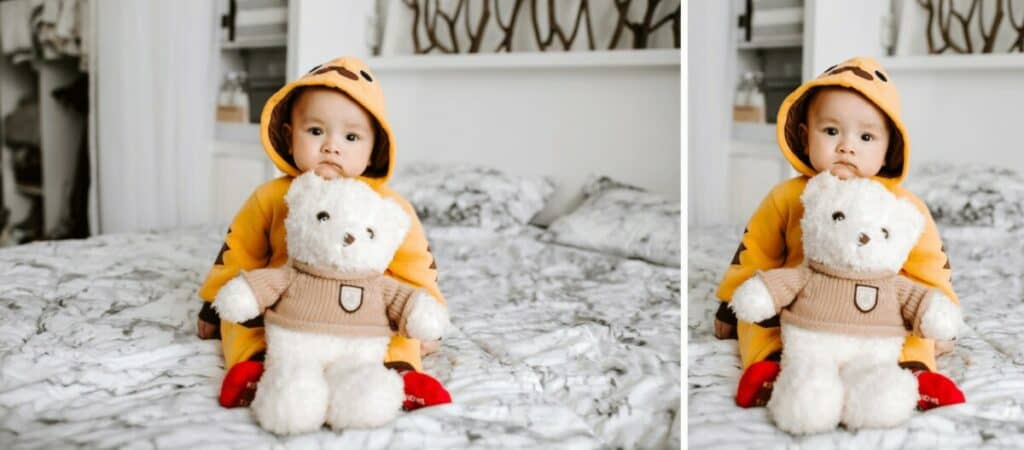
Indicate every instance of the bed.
{"type": "Point", "coordinates": [979, 213]}
{"type": "Point", "coordinates": [552, 345]}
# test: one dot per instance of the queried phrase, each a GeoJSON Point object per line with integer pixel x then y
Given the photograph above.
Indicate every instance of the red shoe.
{"type": "Point", "coordinates": [423, 390]}
{"type": "Point", "coordinates": [239, 385]}
{"type": "Point", "coordinates": [936, 390]}
{"type": "Point", "coordinates": [756, 384]}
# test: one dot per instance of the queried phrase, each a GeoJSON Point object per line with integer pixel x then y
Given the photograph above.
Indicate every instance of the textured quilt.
{"type": "Point", "coordinates": [551, 347]}
{"type": "Point", "coordinates": [987, 363]}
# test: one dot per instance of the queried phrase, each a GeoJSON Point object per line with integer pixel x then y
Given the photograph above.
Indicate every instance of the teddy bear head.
{"type": "Point", "coordinates": [342, 224]}
{"type": "Point", "coordinates": [857, 224]}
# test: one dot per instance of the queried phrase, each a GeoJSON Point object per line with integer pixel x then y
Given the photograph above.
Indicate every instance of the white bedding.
{"type": "Point", "coordinates": [987, 364]}
{"type": "Point", "coordinates": [551, 347]}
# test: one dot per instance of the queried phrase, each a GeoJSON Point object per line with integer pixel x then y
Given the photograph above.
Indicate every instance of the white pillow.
{"type": "Point", "coordinates": [464, 195]}
{"type": "Point", "coordinates": [623, 220]}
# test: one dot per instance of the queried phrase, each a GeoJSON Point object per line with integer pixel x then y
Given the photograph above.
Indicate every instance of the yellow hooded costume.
{"type": "Point", "coordinates": [772, 238]}
{"type": "Point", "coordinates": [256, 238]}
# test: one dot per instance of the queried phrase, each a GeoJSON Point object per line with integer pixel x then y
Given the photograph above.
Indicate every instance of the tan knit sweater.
{"type": "Point", "coordinates": [304, 298]}
{"type": "Point", "coordinates": [820, 298]}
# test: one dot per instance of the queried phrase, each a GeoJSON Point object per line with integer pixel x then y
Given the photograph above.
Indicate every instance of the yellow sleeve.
{"type": "Point", "coordinates": [928, 263]}
{"type": "Point", "coordinates": [245, 247]}
{"type": "Point", "coordinates": [761, 247]}
{"type": "Point", "coordinates": [413, 263]}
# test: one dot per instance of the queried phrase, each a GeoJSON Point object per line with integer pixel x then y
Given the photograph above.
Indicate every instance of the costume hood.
{"type": "Point", "coordinates": [350, 76]}
{"type": "Point", "coordinates": [863, 75]}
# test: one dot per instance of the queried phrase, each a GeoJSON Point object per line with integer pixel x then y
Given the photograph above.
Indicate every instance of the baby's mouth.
{"type": "Point", "coordinates": [330, 164]}
{"type": "Point", "coordinates": [846, 163]}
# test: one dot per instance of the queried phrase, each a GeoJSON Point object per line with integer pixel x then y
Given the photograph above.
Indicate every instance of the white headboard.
{"type": "Point", "coordinates": [564, 115]}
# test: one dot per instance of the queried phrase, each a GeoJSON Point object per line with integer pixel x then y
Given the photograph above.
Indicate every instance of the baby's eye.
{"type": "Point", "coordinates": [323, 216]}
{"type": "Point", "coordinates": [838, 216]}
{"type": "Point", "coordinates": [351, 137]}
{"type": "Point", "coordinates": [370, 232]}
{"type": "Point", "coordinates": [316, 131]}
{"type": "Point", "coordinates": [867, 137]}
{"type": "Point", "coordinates": [831, 131]}
{"type": "Point", "coordinates": [885, 233]}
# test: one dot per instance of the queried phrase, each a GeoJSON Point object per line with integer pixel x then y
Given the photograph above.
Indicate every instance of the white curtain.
{"type": "Point", "coordinates": [153, 90]}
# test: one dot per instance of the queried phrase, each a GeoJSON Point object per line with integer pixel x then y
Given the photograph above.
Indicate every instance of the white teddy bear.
{"type": "Point", "coordinates": [330, 312]}
{"type": "Point", "coordinates": [846, 311]}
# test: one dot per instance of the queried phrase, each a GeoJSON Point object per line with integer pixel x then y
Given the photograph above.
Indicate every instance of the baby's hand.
{"type": "Point", "coordinates": [942, 320]}
{"type": "Point", "coordinates": [752, 302]}
{"type": "Point", "coordinates": [236, 302]}
{"type": "Point", "coordinates": [206, 330]}
{"type": "Point", "coordinates": [428, 318]}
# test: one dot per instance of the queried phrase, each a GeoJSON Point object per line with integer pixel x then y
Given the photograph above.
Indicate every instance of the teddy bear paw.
{"type": "Point", "coordinates": [428, 318]}
{"type": "Point", "coordinates": [236, 302]}
{"type": "Point", "coordinates": [752, 302]}
{"type": "Point", "coordinates": [942, 319]}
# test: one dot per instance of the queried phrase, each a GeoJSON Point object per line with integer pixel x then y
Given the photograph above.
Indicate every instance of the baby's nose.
{"type": "Point", "coordinates": [349, 239]}
{"type": "Point", "coordinates": [864, 238]}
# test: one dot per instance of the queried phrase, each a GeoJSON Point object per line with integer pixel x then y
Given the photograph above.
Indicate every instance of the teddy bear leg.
{"type": "Point", "coordinates": [363, 396]}
{"type": "Point", "coordinates": [807, 397]}
{"type": "Point", "coordinates": [291, 397]}
{"type": "Point", "coordinates": [879, 395]}
{"type": "Point", "coordinates": [291, 401]}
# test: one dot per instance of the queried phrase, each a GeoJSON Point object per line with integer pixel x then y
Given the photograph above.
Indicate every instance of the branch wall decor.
{"type": "Point", "coordinates": [435, 24]}
{"type": "Point", "coordinates": [953, 26]}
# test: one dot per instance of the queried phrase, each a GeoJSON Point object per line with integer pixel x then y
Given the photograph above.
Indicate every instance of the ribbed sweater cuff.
{"type": "Point", "coordinates": [918, 306]}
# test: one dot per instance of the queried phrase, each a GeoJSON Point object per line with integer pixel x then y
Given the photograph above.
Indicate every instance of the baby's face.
{"type": "Point", "coordinates": [330, 134]}
{"type": "Point", "coordinates": [845, 134]}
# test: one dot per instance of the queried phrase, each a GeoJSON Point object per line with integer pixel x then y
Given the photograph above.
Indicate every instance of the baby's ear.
{"type": "Point", "coordinates": [803, 137]}
{"type": "Point", "coordinates": [286, 130]}
{"type": "Point", "coordinates": [818, 185]}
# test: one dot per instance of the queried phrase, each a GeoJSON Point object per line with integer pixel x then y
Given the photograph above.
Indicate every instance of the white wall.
{"type": "Point", "coordinates": [710, 70]}
{"type": "Point", "coordinates": [321, 30]}
{"type": "Point", "coordinates": [962, 108]}
{"type": "Point", "coordinates": [835, 31]}
{"type": "Point", "coordinates": [566, 122]}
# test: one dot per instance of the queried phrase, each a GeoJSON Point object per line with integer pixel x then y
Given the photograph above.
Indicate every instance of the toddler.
{"type": "Point", "coordinates": [330, 121]}
{"type": "Point", "coordinates": [847, 122]}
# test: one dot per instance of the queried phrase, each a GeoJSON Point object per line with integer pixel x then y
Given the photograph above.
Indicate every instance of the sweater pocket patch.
{"type": "Point", "coordinates": [350, 298]}
{"type": "Point", "coordinates": [865, 297]}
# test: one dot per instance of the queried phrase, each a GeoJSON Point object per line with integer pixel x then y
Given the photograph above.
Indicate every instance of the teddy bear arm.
{"type": "Point", "coordinates": [913, 298]}
{"type": "Point", "coordinates": [269, 284]}
{"type": "Point", "coordinates": [785, 284]}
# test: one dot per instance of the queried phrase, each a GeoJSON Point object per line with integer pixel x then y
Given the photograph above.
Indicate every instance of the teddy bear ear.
{"type": "Point", "coordinates": [911, 217]}
{"type": "Point", "coordinates": [395, 217]}
{"type": "Point", "coordinates": [821, 182]}
{"type": "Point", "coordinates": [303, 185]}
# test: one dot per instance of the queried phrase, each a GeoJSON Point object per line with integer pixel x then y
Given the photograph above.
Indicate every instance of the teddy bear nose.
{"type": "Point", "coordinates": [864, 239]}
{"type": "Point", "coordinates": [349, 239]}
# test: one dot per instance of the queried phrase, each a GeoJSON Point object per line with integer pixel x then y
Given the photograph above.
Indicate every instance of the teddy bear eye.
{"type": "Point", "coordinates": [885, 233]}
{"type": "Point", "coordinates": [838, 215]}
{"type": "Point", "coordinates": [323, 216]}
{"type": "Point", "coordinates": [369, 231]}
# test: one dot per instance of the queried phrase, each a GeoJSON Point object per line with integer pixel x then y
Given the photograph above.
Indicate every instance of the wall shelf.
{"type": "Point", "coordinates": [529, 60]}
{"type": "Point", "coordinates": [954, 62]}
